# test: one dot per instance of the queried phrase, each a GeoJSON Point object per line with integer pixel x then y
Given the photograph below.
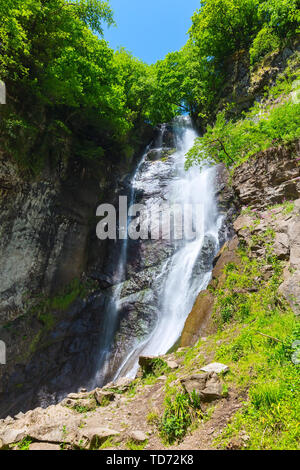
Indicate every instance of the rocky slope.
{"type": "Point", "coordinates": [270, 178]}
{"type": "Point", "coordinates": [115, 416]}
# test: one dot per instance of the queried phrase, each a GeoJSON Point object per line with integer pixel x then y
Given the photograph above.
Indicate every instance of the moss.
{"type": "Point", "coordinates": [133, 445]}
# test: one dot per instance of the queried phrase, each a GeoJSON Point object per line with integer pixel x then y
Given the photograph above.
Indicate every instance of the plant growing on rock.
{"type": "Point", "coordinates": [180, 412]}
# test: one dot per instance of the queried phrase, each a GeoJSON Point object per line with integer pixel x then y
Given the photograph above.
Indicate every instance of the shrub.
{"type": "Point", "coordinates": [234, 142]}
{"type": "Point", "coordinates": [266, 41]}
{"type": "Point", "coordinates": [178, 416]}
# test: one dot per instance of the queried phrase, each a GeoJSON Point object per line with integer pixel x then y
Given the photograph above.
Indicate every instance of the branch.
{"type": "Point", "coordinates": [223, 148]}
{"type": "Point", "coordinates": [270, 337]}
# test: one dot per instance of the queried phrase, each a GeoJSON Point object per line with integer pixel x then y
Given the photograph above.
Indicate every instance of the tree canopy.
{"type": "Point", "coordinates": [53, 57]}
{"type": "Point", "coordinates": [63, 79]}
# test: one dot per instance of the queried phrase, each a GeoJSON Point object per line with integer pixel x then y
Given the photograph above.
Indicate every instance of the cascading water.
{"type": "Point", "coordinates": [175, 271]}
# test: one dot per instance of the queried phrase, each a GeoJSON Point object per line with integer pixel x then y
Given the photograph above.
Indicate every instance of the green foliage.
{"type": "Point", "coordinates": [180, 411]}
{"type": "Point", "coordinates": [68, 92]}
{"type": "Point", "coordinates": [232, 142]}
{"type": "Point", "coordinates": [133, 445]}
{"type": "Point", "coordinates": [109, 442]}
{"type": "Point", "coordinates": [283, 16]}
{"type": "Point", "coordinates": [152, 418]}
{"type": "Point", "coordinates": [258, 347]}
{"type": "Point", "coordinates": [222, 27]}
{"type": "Point", "coordinates": [266, 41]}
{"type": "Point", "coordinates": [191, 78]}
{"type": "Point", "coordinates": [24, 444]}
{"type": "Point", "coordinates": [157, 367]}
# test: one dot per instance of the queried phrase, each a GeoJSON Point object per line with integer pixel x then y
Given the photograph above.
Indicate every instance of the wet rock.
{"type": "Point", "coordinates": [204, 262]}
{"type": "Point", "coordinates": [154, 154]}
{"type": "Point", "coordinates": [196, 320]}
{"type": "Point", "coordinates": [104, 281]}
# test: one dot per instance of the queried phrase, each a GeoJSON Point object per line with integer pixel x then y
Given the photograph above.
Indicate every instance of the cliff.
{"type": "Point", "coordinates": [50, 302]}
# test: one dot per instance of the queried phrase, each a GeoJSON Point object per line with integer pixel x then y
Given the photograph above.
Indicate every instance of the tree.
{"type": "Point", "coordinates": [282, 16]}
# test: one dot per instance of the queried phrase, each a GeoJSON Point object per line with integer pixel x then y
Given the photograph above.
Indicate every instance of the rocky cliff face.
{"type": "Point", "coordinates": [266, 191]}
{"type": "Point", "coordinates": [245, 84]}
{"type": "Point", "coordinates": [138, 299]}
{"type": "Point", "coordinates": [50, 310]}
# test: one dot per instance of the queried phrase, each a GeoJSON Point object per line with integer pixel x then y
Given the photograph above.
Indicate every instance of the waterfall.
{"type": "Point", "coordinates": [178, 269]}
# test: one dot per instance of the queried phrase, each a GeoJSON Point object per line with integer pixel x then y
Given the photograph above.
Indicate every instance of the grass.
{"type": "Point", "coordinates": [265, 125]}
{"type": "Point", "coordinates": [24, 444]}
{"type": "Point", "coordinates": [181, 411]}
{"type": "Point", "coordinates": [263, 367]}
{"type": "Point", "coordinates": [155, 369]}
{"type": "Point", "coordinates": [133, 445]}
{"type": "Point", "coordinates": [109, 442]}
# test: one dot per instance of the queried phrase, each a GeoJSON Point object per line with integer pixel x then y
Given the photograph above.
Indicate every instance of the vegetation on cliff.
{"type": "Point", "coordinates": [274, 121]}
{"type": "Point", "coordinates": [220, 29]}
{"type": "Point", "coordinates": [69, 93]}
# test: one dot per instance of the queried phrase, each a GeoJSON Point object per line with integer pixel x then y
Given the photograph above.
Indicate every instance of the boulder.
{"type": "Point", "coordinates": [172, 365]}
{"type": "Point", "coordinates": [147, 363]}
{"type": "Point", "coordinates": [121, 385]}
{"type": "Point", "coordinates": [93, 437]}
{"type": "Point", "coordinates": [44, 446]}
{"type": "Point", "coordinates": [216, 367]}
{"type": "Point", "coordinates": [269, 178]}
{"type": "Point", "coordinates": [290, 290]}
{"type": "Point", "coordinates": [281, 247]}
{"type": "Point", "coordinates": [138, 436]}
{"type": "Point", "coordinates": [208, 386]}
{"type": "Point", "coordinates": [86, 404]}
{"type": "Point", "coordinates": [103, 397]}
{"type": "Point", "coordinates": [201, 310]}
{"type": "Point", "coordinates": [11, 436]}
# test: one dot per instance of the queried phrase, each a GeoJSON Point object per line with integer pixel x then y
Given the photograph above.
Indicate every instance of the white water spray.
{"type": "Point", "coordinates": [180, 283]}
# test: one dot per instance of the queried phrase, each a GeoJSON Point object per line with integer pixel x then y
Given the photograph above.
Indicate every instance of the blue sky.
{"type": "Point", "coordinates": [150, 28]}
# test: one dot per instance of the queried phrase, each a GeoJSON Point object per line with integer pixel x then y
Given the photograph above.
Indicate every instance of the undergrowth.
{"type": "Point", "coordinates": [181, 410]}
